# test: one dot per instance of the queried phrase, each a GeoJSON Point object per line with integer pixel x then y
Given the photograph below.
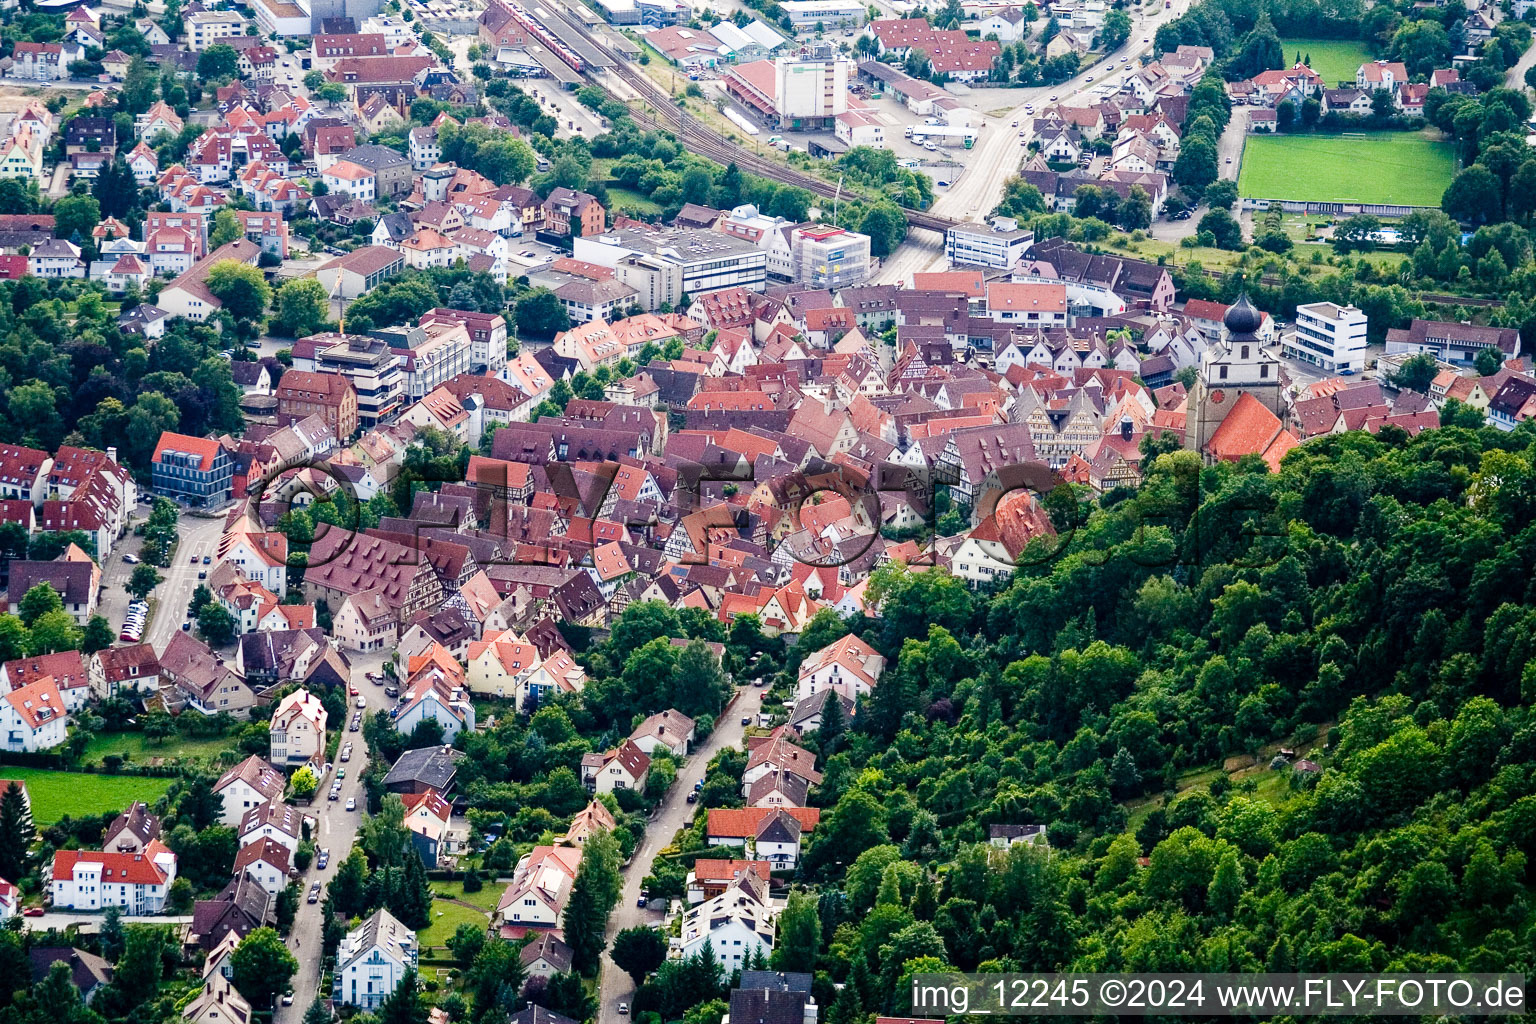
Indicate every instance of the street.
{"type": "Point", "coordinates": [199, 537]}
{"type": "Point", "coordinates": [337, 832]}
{"type": "Point", "coordinates": [997, 154]}
{"type": "Point", "coordinates": [614, 985]}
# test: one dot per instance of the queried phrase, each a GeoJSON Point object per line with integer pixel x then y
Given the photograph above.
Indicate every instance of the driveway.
{"type": "Point", "coordinates": [615, 986]}
{"type": "Point", "coordinates": [336, 831]}
{"type": "Point", "coordinates": [90, 924]}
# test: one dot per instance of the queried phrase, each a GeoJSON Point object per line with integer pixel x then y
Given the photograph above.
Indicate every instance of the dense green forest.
{"type": "Point", "coordinates": [1368, 606]}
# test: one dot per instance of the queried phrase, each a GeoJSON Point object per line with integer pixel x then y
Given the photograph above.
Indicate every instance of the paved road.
{"type": "Point", "coordinates": [1515, 77]}
{"type": "Point", "coordinates": [199, 537]}
{"type": "Point", "coordinates": [1229, 148]}
{"type": "Point", "coordinates": [920, 251]}
{"type": "Point", "coordinates": [615, 986]}
{"type": "Point", "coordinates": [337, 832]}
{"type": "Point", "coordinates": [997, 154]}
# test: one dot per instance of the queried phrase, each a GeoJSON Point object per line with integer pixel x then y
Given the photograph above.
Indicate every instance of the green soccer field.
{"type": "Point", "coordinates": [1336, 60]}
{"type": "Point", "coordinates": [1399, 168]}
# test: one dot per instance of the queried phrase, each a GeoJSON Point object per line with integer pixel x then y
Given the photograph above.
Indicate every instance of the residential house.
{"type": "Point", "coordinates": [624, 767]}
{"type": "Point", "coordinates": [371, 961]}
{"type": "Point", "coordinates": [248, 785]}
{"type": "Point", "coordinates": [849, 666]}
{"type": "Point", "coordinates": [136, 883]}
{"type": "Point", "coordinates": [540, 887]}
{"type": "Point", "coordinates": [670, 732]}
{"type": "Point", "coordinates": [132, 831]}
{"type": "Point", "coordinates": [297, 729]}
{"type": "Point", "coordinates": [275, 821]}
{"type": "Point", "coordinates": [738, 924]}
{"type": "Point", "coordinates": [33, 717]}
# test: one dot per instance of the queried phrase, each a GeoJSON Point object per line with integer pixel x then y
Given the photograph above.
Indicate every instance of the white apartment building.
{"type": "Point", "coordinates": [1001, 246]}
{"type": "Point", "coordinates": [205, 28]}
{"type": "Point", "coordinates": [737, 923]}
{"type": "Point", "coordinates": [95, 879]}
{"type": "Point", "coordinates": [33, 717]}
{"type": "Point", "coordinates": [372, 959]}
{"type": "Point", "coordinates": [1328, 336]}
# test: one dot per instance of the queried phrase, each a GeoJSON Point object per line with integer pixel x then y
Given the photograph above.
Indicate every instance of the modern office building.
{"type": "Point", "coordinates": [1328, 336]}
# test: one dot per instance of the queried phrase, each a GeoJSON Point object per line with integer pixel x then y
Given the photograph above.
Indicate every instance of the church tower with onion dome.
{"type": "Point", "coordinates": [1237, 363]}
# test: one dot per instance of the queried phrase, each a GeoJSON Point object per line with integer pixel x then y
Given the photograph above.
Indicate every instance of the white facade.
{"type": "Point", "coordinates": [811, 87]}
{"type": "Point", "coordinates": [1329, 336]}
{"type": "Point", "coordinates": [830, 14]}
{"type": "Point", "coordinates": [94, 879]}
{"type": "Point", "coordinates": [297, 729]}
{"type": "Point", "coordinates": [372, 959]}
{"type": "Point", "coordinates": [33, 717]}
{"type": "Point", "coordinates": [735, 923]}
{"type": "Point", "coordinates": [979, 246]}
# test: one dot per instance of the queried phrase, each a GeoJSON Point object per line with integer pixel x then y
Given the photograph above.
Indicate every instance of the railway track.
{"type": "Point", "coordinates": [706, 142]}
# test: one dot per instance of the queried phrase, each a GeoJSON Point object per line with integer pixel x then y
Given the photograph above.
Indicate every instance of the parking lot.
{"type": "Point", "coordinates": [529, 255]}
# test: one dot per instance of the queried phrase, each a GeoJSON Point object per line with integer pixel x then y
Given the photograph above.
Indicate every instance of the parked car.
{"type": "Point", "coordinates": [698, 785]}
{"type": "Point", "coordinates": [391, 691]}
{"type": "Point", "coordinates": [341, 773]}
{"type": "Point", "coordinates": [693, 798]}
{"type": "Point", "coordinates": [351, 803]}
{"type": "Point", "coordinates": [202, 575]}
{"type": "Point", "coordinates": [323, 859]}
{"type": "Point", "coordinates": [352, 691]}
{"type": "Point", "coordinates": [288, 998]}
{"type": "Point", "coordinates": [33, 912]}
{"type": "Point", "coordinates": [360, 701]}
{"type": "Point", "coordinates": [746, 719]}
{"type": "Point", "coordinates": [335, 794]}
{"type": "Point", "coordinates": [314, 893]}
{"type": "Point", "coordinates": [131, 559]}
{"type": "Point", "coordinates": [346, 755]}
{"type": "Point", "coordinates": [624, 1009]}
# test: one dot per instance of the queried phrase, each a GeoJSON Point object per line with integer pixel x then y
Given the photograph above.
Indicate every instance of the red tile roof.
{"type": "Point", "coordinates": [205, 448]}
{"type": "Point", "coordinates": [117, 868]}
{"type": "Point", "coordinates": [742, 823]}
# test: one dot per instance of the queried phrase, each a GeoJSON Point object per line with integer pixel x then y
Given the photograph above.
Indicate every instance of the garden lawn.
{"type": "Point", "coordinates": [141, 751]}
{"type": "Point", "coordinates": [1336, 60]}
{"type": "Point", "coordinates": [632, 202]}
{"type": "Point", "coordinates": [1400, 168]}
{"type": "Point", "coordinates": [446, 917]}
{"type": "Point", "coordinates": [55, 794]}
{"type": "Point", "coordinates": [486, 899]}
